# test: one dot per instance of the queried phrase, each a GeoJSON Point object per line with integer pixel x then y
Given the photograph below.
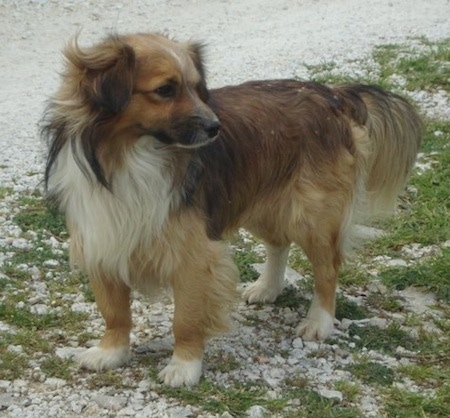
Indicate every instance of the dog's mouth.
{"type": "Point", "coordinates": [188, 136]}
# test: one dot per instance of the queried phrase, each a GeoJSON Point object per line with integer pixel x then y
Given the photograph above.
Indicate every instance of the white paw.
{"type": "Point", "coordinates": [181, 372]}
{"type": "Point", "coordinates": [98, 358]}
{"type": "Point", "coordinates": [262, 291]}
{"type": "Point", "coordinates": [318, 325]}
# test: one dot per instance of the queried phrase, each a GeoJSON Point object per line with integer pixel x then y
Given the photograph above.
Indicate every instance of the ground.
{"type": "Point", "coordinates": [388, 356]}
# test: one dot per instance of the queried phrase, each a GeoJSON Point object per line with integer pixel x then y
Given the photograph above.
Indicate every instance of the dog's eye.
{"type": "Point", "coordinates": [166, 91]}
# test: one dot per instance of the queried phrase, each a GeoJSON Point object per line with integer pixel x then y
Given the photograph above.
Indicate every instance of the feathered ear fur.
{"type": "Point", "coordinates": [196, 51]}
{"type": "Point", "coordinates": [97, 85]}
{"type": "Point", "coordinates": [106, 73]}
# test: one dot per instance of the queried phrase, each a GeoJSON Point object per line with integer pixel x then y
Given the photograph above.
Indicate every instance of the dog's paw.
{"type": "Point", "coordinates": [261, 291]}
{"type": "Point", "coordinates": [318, 325]}
{"type": "Point", "coordinates": [98, 358]}
{"type": "Point", "coordinates": [181, 372]}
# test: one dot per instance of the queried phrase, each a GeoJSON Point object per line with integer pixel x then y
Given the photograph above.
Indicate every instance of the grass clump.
{"type": "Point", "coordinates": [433, 276]}
{"type": "Point", "coordinates": [385, 340]}
{"type": "Point", "coordinates": [57, 367]}
{"type": "Point", "coordinates": [37, 214]}
{"type": "Point", "coordinates": [372, 373]}
{"type": "Point", "coordinates": [350, 310]}
{"type": "Point", "coordinates": [401, 403]}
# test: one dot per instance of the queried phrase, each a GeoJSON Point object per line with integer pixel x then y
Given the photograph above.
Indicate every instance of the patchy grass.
{"type": "Point", "coordinates": [384, 340]}
{"type": "Point", "coordinates": [37, 214]}
{"type": "Point", "coordinates": [235, 399]}
{"type": "Point", "coordinates": [350, 310]}
{"type": "Point", "coordinates": [424, 65]}
{"type": "Point", "coordinates": [372, 373]}
{"type": "Point", "coordinates": [401, 403]}
{"type": "Point", "coordinates": [57, 367]}
{"type": "Point", "coordinates": [432, 276]}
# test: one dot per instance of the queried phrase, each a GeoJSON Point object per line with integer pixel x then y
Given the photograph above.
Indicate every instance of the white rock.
{"type": "Point", "coordinates": [378, 322]}
{"type": "Point", "coordinates": [68, 352]}
{"type": "Point", "coordinates": [15, 349]}
{"type": "Point", "coordinates": [113, 403]}
{"type": "Point", "coordinates": [82, 307]}
{"type": "Point", "coordinates": [39, 309]}
{"type": "Point", "coordinates": [297, 343]}
{"type": "Point", "coordinates": [21, 244]}
{"type": "Point", "coordinates": [55, 383]}
{"type": "Point", "coordinates": [51, 263]}
{"type": "Point", "coordinates": [396, 262]}
{"type": "Point", "coordinates": [257, 411]}
{"type": "Point", "coordinates": [6, 400]}
{"type": "Point", "coordinates": [333, 395]}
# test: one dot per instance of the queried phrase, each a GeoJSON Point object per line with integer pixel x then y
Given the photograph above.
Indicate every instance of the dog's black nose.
{"type": "Point", "coordinates": [212, 128]}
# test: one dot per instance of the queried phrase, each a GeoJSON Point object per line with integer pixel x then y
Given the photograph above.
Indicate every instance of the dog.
{"type": "Point", "coordinates": [153, 172]}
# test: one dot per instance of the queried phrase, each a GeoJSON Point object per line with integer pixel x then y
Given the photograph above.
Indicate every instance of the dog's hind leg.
{"type": "Point", "coordinates": [325, 255]}
{"type": "Point", "coordinates": [270, 284]}
{"type": "Point", "coordinates": [113, 301]}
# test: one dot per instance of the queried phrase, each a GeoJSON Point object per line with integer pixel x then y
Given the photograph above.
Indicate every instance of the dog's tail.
{"type": "Point", "coordinates": [395, 134]}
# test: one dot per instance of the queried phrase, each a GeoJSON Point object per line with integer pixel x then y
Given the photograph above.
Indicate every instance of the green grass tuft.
{"type": "Point", "coordinates": [432, 276]}
{"type": "Point", "coordinates": [372, 373]}
{"type": "Point", "coordinates": [385, 340]}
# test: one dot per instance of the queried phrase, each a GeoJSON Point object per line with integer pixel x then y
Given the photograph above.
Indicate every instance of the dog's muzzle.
{"type": "Point", "coordinates": [212, 128]}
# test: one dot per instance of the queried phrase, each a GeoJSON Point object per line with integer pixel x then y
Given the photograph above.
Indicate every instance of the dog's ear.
{"type": "Point", "coordinates": [196, 50]}
{"type": "Point", "coordinates": [106, 72]}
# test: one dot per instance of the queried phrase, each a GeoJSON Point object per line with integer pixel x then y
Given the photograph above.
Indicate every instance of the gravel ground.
{"type": "Point", "coordinates": [246, 40]}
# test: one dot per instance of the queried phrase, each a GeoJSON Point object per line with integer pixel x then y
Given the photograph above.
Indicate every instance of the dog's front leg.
{"type": "Point", "coordinates": [189, 325]}
{"type": "Point", "coordinates": [204, 292]}
{"type": "Point", "coordinates": [113, 302]}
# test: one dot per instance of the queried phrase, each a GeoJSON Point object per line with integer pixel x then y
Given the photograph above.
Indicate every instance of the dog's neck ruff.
{"type": "Point", "coordinates": [110, 226]}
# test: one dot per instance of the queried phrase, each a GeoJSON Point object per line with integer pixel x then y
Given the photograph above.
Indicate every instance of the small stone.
{"type": "Point", "coordinates": [333, 395]}
{"type": "Point", "coordinates": [274, 376]}
{"type": "Point", "coordinates": [21, 244]}
{"type": "Point", "coordinates": [51, 263]}
{"type": "Point", "coordinates": [6, 400]}
{"type": "Point", "coordinates": [378, 322]}
{"type": "Point", "coordinates": [180, 412]}
{"type": "Point", "coordinates": [81, 307]}
{"type": "Point", "coordinates": [257, 411]}
{"type": "Point", "coordinates": [311, 345]}
{"type": "Point", "coordinates": [297, 343]}
{"type": "Point", "coordinates": [226, 414]}
{"type": "Point", "coordinates": [113, 403]}
{"type": "Point", "coordinates": [144, 386]}
{"type": "Point", "coordinates": [345, 324]}
{"type": "Point", "coordinates": [377, 287]}
{"type": "Point", "coordinates": [68, 352]}
{"type": "Point", "coordinates": [396, 262]}
{"type": "Point", "coordinates": [77, 406]}
{"type": "Point", "coordinates": [39, 309]}
{"type": "Point", "coordinates": [15, 349]}
{"type": "Point", "coordinates": [55, 383]}
{"type": "Point", "coordinates": [5, 384]}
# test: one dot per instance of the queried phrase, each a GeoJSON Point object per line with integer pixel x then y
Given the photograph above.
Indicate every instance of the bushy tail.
{"type": "Point", "coordinates": [395, 131]}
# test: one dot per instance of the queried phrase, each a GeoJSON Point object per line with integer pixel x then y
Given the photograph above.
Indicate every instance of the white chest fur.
{"type": "Point", "coordinates": [107, 227]}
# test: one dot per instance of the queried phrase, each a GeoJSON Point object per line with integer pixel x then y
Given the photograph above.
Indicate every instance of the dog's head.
{"type": "Point", "coordinates": [125, 88]}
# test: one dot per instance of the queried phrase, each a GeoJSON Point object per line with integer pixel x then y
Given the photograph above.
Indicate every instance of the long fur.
{"type": "Point", "coordinates": [150, 187]}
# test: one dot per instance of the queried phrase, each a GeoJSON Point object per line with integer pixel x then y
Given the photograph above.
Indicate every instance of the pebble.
{"type": "Point", "coordinates": [55, 383]}
{"type": "Point", "coordinates": [257, 411]}
{"type": "Point", "coordinates": [113, 403]}
{"type": "Point", "coordinates": [333, 395]}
